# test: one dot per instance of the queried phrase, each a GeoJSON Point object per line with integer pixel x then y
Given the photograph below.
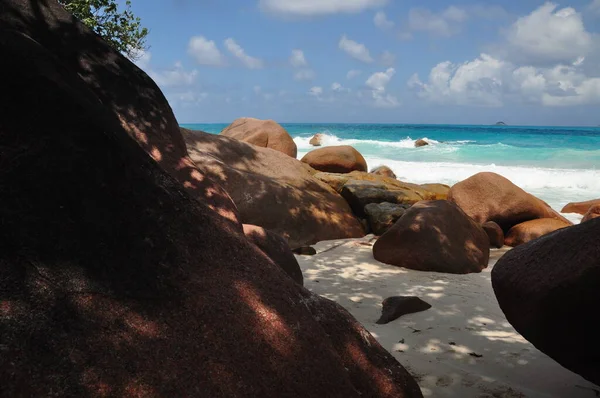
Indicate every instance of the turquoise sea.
{"type": "Point", "coordinates": [557, 164]}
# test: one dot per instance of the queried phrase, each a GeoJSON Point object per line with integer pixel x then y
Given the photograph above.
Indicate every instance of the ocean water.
{"type": "Point", "coordinates": [557, 164]}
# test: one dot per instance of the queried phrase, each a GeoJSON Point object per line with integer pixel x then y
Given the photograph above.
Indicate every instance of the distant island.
{"type": "Point", "coordinates": [500, 124]}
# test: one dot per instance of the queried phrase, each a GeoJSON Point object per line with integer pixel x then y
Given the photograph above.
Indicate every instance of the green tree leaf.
{"type": "Point", "coordinates": [122, 29]}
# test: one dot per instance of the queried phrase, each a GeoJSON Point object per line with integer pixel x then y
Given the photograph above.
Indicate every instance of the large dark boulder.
{"type": "Point", "coordinates": [548, 289]}
{"type": "Point", "coordinates": [262, 133]}
{"type": "Point", "coordinates": [491, 197]}
{"type": "Point", "coordinates": [336, 159]}
{"type": "Point", "coordinates": [116, 281]}
{"type": "Point", "coordinates": [359, 194]}
{"type": "Point", "coordinates": [383, 216]}
{"type": "Point", "coordinates": [273, 190]}
{"type": "Point", "coordinates": [124, 90]}
{"type": "Point", "coordinates": [435, 236]}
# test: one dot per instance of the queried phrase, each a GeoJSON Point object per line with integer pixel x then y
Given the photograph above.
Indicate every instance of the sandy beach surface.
{"type": "Point", "coordinates": [462, 347]}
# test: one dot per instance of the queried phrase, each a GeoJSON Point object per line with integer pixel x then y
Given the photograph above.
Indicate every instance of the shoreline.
{"type": "Point", "coordinates": [462, 347]}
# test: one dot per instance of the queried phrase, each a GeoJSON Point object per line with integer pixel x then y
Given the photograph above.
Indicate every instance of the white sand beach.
{"type": "Point", "coordinates": [462, 347]}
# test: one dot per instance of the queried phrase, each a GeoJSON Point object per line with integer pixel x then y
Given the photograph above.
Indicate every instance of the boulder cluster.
{"type": "Point", "coordinates": [126, 268]}
{"type": "Point", "coordinates": [144, 259]}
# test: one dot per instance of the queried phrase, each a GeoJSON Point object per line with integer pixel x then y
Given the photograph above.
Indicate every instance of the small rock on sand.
{"type": "Point", "coordinates": [395, 307]}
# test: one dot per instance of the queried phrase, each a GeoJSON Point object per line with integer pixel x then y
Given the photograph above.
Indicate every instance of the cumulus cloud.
{"type": "Point", "coordinates": [547, 57]}
{"type": "Point", "coordinates": [477, 82]}
{"type": "Point", "coordinates": [307, 8]}
{"type": "Point", "coordinates": [353, 73]}
{"type": "Point", "coordinates": [176, 76]}
{"type": "Point", "coordinates": [487, 81]}
{"type": "Point", "coordinates": [548, 36]}
{"type": "Point", "coordinates": [297, 59]}
{"type": "Point", "coordinates": [380, 20]}
{"type": "Point", "coordinates": [205, 51]}
{"type": "Point", "coordinates": [355, 50]}
{"type": "Point", "coordinates": [445, 23]}
{"type": "Point", "coordinates": [378, 82]}
{"type": "Point", "coordinates": [316, 91]}
{"type": "Point", "coordinates": [237, 51]}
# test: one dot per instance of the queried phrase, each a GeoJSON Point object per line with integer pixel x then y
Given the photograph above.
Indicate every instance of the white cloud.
{"type": "Point", "coordinates": [307, 8]}
{"type": "Point", "coordinates": [446, 23]}
{"type": "Point", "coordinates": [378, 82]}
{"type": "Point", "coordinates": [304, 74]}
{"type": "Point", "coordinates": [549, 36]}
{"type": "Point", "coordinates": [353, 73]}
{"type": "Point", "coordinates": [257, 89]}
{"type": "Point", "coordinates": [388, 59]}
{"type": "Point", "coordinates": [187, 97]}
{"type": "Point", "coordinates": [355, 50]}
{"type": "Point", "coordinates": [316, 91]}
{"type": "Point", "coordinates": [176, 76]}
{"type": "Point", "coordinates": [487, 81]}
{"type": "Point", "coordinates": [237, 51]}
{"type": "Point", "coordinates": [477, 82]}
{"type": "Point", "coordinates": [297, 59]}
{"type": "Point", "coordinates": [595, 6]}
{"type": "Point", "coordinates": [380, 20]}
{"type": "Point", "coordinates": [142, 58]}
{"type": "Point", "coordinates": [205, 51]}
{"type": "Point", "coordinates": [339, 88]}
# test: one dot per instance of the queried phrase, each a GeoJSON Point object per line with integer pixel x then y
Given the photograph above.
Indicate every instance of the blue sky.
{"type": "Point", "coordinates": [387, 61]}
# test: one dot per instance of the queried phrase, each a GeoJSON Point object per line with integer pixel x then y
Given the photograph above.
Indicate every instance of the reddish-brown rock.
{"type": "Point", "coordinates": [316, 140]}
{"type": "Point", "coordinates": [123, 88]}
{"type": "Point", "coordinates": [336, 159]}
{"type": "Point", "coordinates": [530, 230]}
{"type": "Point", "coordinates": [276, 249]}
{"type": "Point", "coordinates": [495, 233]}
{"type": "Point", "coordinates": [274, 191]}
{"type": "Point", "coordinates": [262, 133]}
{"type": "Point", "coordinates": [548, 290]}
{"type": "Point", "coordinates": [435, 236]}
{"type": "Point", "coordinates": [115, 281]}
{"type": "Point", "coordinates": [592, 213]}
{"type": "Point", "coordinates": [580, 207]}
{"type": "Point", "coordinates": [491, 197]}
{"type": "Point", "coordinates": [421, 142]}
{"type": "Point", "coordinates": [384, 171]}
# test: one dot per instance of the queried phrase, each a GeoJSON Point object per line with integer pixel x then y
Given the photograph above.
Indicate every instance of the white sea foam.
{"type": "Point", "coordinates": [332, 140]}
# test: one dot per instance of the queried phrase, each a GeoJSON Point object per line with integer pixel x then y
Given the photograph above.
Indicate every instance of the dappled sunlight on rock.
{"type": "Point", "coordinates": [279, 335]}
